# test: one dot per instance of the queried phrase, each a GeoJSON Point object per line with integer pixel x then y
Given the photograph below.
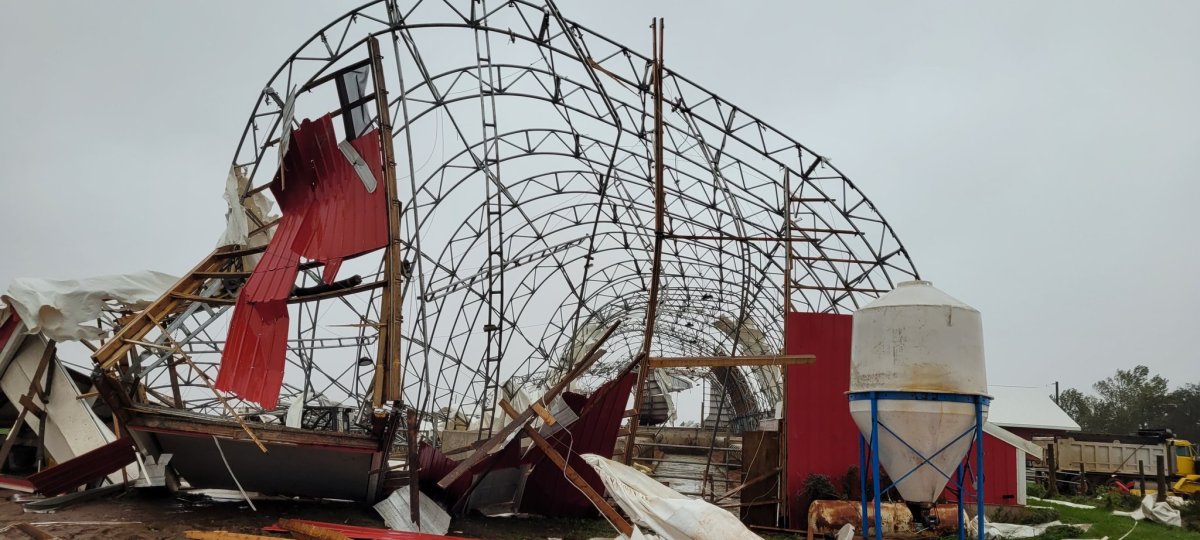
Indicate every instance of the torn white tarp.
{"type": "Point", "coordinates": [671, 515]}
{"type": "Point", "coordinates": [1158, 512]}
{"type": "Point", "coordinates": [243, 216]}
{"type": "Point", "coordinates": [66, 309]}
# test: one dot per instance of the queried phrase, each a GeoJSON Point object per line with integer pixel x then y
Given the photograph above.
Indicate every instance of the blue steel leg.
{"type": "Point", "coordinates": [979, 467]}
{"type": "Point", "coordinates": [958, 480]}
{"type": "Point", "coordinates": [862, 483]}
{"type": "Point", "coordinates": [875, 466]}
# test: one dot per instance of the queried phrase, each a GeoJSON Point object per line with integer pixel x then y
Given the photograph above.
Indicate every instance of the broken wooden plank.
{"type": "Point", "coordinates": [224, 535]}
{"type": "Point", "coordinates": [310, 531]}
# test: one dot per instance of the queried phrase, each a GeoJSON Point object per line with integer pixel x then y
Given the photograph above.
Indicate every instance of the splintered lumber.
{"type": "Point", "coordinates": [602, 505]}
{"type": "Point", "coordinates": [310, 531]}
{"type": "Point", "coordinates": [147, 319]}
{"type": "Point", "coordinates": [223, 535]}
{"type": "Point", "coordinates": [524, 417]}
{"type": "Point", "coordinates": [730, 361]}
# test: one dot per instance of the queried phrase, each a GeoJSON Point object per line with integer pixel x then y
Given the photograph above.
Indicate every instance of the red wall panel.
{"type": "Point", "coordinates": [999, 474]}
{"type": "Point", "coordinates": [821, 436]}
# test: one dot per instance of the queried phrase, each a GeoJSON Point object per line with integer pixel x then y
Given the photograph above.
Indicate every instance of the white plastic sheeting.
{"type": "Point", "coordinates": [67, 309]}
{"type": "Point", "coordinates": [241, 215]}
{"type": "Point", "coordinates": [671, 515]}
{"type": "Point", "coordinates": [1158, 512]}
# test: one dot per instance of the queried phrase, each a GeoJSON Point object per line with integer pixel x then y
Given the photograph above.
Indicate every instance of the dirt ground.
{"type": "Point", "coordinates": [160, 515]}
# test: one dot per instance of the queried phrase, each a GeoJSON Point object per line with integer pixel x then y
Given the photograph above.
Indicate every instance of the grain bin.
{"type": "Point", "coordinates": [918, 388]}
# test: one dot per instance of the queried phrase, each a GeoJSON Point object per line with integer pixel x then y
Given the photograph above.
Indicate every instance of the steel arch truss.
{"type": "Point", "coordinates": [524, 164]}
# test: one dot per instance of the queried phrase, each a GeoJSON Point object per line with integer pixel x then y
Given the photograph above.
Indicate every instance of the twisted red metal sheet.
{"type": "Point", "coordinates": [84, 468]}
{"type": "Point", "coordinates": [547, 490]}
{"type": "Point", "coordinates": [329, 214]}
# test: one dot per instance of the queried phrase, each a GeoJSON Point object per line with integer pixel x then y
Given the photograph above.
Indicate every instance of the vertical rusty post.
{"type": "Point", "coordinates": [1161, 466]}
{"type": "Point", "coordinates": [1141, 478]}
{"type": "Point", "coordinates": [659, 233]}
{"type": "Point", "coordinates": [1052, 469]}
{"type": "Point", "coordinates": [389, 383]}
{"type": "Point", "coordinates": [414, 470]}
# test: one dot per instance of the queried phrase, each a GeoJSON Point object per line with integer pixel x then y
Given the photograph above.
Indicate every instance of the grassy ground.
{"type": "Point", "coordinates": [1104, 523]}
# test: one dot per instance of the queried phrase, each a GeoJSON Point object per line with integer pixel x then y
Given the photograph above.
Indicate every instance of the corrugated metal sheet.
{"type": "Point", "coordinates": [85, 468]}
{"type": "Point", "coordinates": [547, 490]}
{"type": "Point", "coordinates": [821, 436]}
{"type": "Point", "coordinates": [328, 215]}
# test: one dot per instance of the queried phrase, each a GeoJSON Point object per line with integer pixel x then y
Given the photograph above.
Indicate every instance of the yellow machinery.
{"type": "Point", "coordinates": [1186, 481]}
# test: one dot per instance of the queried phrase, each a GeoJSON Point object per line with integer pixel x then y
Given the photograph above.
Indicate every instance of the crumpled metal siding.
{"type": "Point", "coordinates": [84, 468]}
{"type": "Point", "coordinates": [547, 490]}
{"type": "Point", "coordinates": [328, 215]}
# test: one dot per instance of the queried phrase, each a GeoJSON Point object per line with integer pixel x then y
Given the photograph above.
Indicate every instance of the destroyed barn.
{"type": "Point", "coordinates": [477, 256]}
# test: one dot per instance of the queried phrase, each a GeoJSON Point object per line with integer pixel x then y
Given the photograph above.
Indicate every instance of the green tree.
{"type": "Point", "coordinates": [1131, 400]}
{"type": "Point", "coordinates": [1126, 402]}
{"type": "Point", "coordinates": [1183, 412]}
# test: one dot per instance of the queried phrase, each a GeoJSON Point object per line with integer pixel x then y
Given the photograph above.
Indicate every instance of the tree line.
{"type": "Point", "coordinates": [1134, 399]}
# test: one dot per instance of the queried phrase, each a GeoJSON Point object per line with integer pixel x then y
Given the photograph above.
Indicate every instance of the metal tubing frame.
{"type": "Point", "coordinates": [877, 496]}
{"type": "Point", "coordinates": [574, 202]}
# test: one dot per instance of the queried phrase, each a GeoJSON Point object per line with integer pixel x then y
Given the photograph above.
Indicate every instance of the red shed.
{"type": "Point", "coordinates": [821, 436]}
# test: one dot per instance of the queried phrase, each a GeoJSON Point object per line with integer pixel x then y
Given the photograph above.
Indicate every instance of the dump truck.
{"type": "Point", "coordinates": [1102, 458]}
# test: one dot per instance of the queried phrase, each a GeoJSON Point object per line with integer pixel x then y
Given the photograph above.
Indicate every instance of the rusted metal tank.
{"type": "Point", "coordinates": [826, 517]}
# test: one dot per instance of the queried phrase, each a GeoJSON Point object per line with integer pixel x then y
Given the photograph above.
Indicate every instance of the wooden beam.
{"type": "Point", "coordinates": [308, 531]}
{"type": "Point", "coordinates": [389, 370]}
{"type": "Point", "coordinates": [223, 535]}
{"type": "Point", "coordinates": [11, 438]}
{"type": "Point", "coordinates": [730, 361]}
{"type": "Point", "coordinates": [598, 500]}
{"type": "Point", "coordinates": [147, 319]}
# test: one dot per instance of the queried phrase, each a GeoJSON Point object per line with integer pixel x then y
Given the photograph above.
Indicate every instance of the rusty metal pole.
{"type": "Point", "coordinates": [414, 470]}
{"type": "Point", "coordinates": [659, 232]}
{"type": "Point", "coordinates": [1161, 491]}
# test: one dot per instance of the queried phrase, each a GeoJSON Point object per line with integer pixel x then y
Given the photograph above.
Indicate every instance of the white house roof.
{"type": "Point", "coordinates": [1025, 407]}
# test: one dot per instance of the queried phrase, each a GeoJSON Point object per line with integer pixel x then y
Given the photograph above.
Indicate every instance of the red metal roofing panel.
{"type": "Point", "coordinates": [547, 490]}
{"type": "Point", "coordinates": [9, 326]}
{"type": "Point", "coordinates": [84, 468]}
{"type": "Point", "coordinates": [821, 435]}
{"type": "Point", "coordinates": [329, 214]}
{"type": "Point", "coordinates": [253, 361]}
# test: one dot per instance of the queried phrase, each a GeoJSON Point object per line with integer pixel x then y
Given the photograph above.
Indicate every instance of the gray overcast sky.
{"type": "Point", "coordinates": [1038, 159]}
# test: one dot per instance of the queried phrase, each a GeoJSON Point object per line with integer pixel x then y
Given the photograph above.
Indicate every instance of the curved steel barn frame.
{"type": "Point", "coordinates": [524, 164]}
